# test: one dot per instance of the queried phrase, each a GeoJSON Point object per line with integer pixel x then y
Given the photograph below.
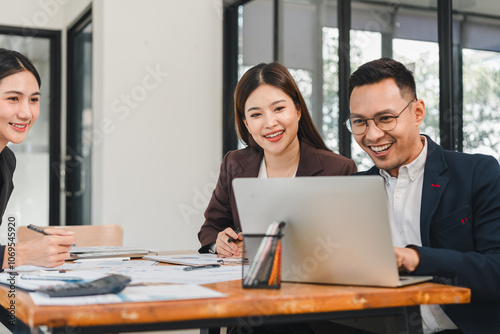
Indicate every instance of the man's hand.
{"type": "Point", "coordinates": [227, 248]}
{"type": "Point", "coordinates": [47, 250]}
{"type": "Point", "coordinates": [407, 258]}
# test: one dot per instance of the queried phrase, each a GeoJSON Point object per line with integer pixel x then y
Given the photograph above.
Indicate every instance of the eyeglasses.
{"type": "Point", "coordinates": [385, 122]}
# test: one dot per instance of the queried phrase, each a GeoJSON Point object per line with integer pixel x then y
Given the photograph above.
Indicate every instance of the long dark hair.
{"type": "Point", "coordinates": [12, 62]}
{"type": "Point", "coordinates": [276, 75]}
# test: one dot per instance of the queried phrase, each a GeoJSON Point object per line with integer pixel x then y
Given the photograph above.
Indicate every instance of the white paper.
{"type": "Point", "coordinates": [192, 259]}
{"type": "Point", "coordinates": [177, 275]}
{"type": "Point", "coordinates": [107, 266]}
{"type": "Point", "coordinates": [133, 294]}
{"type": "Point", "coordinates": [29, 285]}
{"type": "Point", "coordinates": [28, 267]}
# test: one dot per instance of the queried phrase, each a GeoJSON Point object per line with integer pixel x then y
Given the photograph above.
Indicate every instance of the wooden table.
{"type": "Point", "coordinates": [244, 307]}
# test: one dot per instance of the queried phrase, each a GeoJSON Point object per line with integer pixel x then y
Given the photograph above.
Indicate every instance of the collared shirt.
{"type": "Point", "coordinates": [405, 196]}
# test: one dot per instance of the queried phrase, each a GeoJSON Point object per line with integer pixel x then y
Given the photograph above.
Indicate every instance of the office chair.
{"type": "Point", "coordinates": [85, 235]}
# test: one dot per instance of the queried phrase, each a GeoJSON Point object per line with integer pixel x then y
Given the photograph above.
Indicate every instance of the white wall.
{"type": "Point", "coordinates": [157, 137]}
{"type": "Point", "coordinates": [157, 109]}
{"type": "Point", "coordinates": [32, 14]}
{"type": "Point", "coordinates": [30, 199]}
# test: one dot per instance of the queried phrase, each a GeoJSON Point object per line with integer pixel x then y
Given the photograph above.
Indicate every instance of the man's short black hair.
{"type": "Point", "coordinates": [384, 68]}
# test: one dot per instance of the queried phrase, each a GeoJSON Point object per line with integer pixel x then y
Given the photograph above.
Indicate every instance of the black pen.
{"type": "Point", "coordinates": [231, 239]}
{"type": "Point", "coordinates": [37, 229]}
{"type": "Point", "coordinates": [40, 230]}
{"type": "Point", "coordinates": [202, 267]}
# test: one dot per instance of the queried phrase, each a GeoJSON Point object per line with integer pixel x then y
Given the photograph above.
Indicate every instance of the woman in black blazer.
{"type": "Point", "coordinates": [19, 109]}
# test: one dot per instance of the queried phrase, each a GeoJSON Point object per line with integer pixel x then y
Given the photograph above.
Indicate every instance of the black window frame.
{"type": "Point", "coordinates": [450, 67]}
{"type": "Point", "coordinates": [75, 216]}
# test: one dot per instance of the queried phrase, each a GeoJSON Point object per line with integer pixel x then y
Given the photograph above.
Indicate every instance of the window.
{"type": "Point", "coordinates": [481, 110]}
{"type": "Point", "coordinates": [422, 58]}
{"type": "Point", "coordinates": [38, 156]}
{"type": "Point", "coordinates": [405, 31]}
{"type": "Point", "coordinates": [365, 46]}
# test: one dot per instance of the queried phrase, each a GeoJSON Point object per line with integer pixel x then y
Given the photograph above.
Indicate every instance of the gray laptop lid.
{"type": "Point", "coordinates": [337, 228]}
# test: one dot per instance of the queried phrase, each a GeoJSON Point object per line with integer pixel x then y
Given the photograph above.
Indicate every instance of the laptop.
{"type": "Point", "coordinates": [337, 228]}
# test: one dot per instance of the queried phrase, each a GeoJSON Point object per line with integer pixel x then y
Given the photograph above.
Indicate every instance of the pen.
{"type": "Point", "coordinates": [37, 229]}
{"type": "Point", "coordinates": [202, 267]}
{"type": "Point", "coordinates": [34, 276]}
{"type": "Point", "coordinates": [231, 239]}
{"type": "Point", "coordinates": [101, 259]}
{"type": "Point", "coordinates": [40, 230]}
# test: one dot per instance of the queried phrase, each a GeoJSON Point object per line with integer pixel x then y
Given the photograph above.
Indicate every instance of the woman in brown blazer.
{"type": "Point", "coordinates": [272, 119]}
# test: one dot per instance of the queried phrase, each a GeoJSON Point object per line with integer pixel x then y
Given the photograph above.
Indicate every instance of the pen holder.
{"type": "Point", "coordinates": [263, 270]}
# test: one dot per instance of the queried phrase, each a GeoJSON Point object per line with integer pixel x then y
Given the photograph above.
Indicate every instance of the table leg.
{"type": "Point", "coordinates": [213, 330]}
{"type": "Point", "coordinates": [411, 321]}
{"type": "Point", "coordinates": [404, 320]}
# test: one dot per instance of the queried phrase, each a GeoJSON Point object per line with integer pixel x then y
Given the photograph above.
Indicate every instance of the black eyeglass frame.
{"type": "Point", "coordinates": [348, 124]}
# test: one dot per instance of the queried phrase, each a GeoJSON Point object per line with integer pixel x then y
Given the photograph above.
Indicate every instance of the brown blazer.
{"type": "Point", "coordinates": [221, 212]}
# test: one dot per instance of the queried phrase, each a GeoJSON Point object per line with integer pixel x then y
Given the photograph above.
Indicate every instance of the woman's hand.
{"type": "Point", "coordinates": [45, 251]}
{"type": "Point", "coordinates": [229, 244]}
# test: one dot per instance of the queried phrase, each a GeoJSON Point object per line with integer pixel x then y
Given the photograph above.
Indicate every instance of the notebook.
{"type": "Point", "coordinates": [337, 227]}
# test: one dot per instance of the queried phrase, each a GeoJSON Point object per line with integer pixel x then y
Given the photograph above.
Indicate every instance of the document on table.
{"type": "Point", "coordinates": [192, 259]}
{"type": "Point", "coordinates": [104, 264]}
{"type": "Point", "coordinates": [28, 285]}
{"type": "Point", "coordinates": [133, 294]}
{"type": "Point", "coordinates": [108, 265]}
{"type": "Point", "coordinates": [31, 281]}
{"type": "Point", "coordinates": [143, 271]}
{"type": "Point", "coordinates": [177, 274]}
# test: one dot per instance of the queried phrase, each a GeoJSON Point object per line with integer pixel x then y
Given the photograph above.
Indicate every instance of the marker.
{"type": "Point", "coordinates": [231, 239]}
{"type": "Point", "coordinates": [40, 230]}
{"type": "Point", "coordinates": [202, 267]}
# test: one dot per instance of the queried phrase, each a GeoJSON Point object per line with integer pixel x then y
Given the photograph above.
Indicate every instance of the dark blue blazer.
{"type": "Point", "coordinates": [460, 230]}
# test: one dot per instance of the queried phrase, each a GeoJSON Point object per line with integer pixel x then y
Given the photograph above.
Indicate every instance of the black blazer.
{"type": "Point", "coordinates": [221, 211]}
{"type": "Point", "coordinates": [7, 167]}
{"type": "Point", "coordinates": [460, 231]}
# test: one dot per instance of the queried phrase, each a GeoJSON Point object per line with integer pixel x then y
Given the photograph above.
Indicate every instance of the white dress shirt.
{"type": "Point", "coordinates": [263, 170]}
{"type": "Point", "coordinates": [262, 175]}
{"type": "Point", "coordinates": [405, 195]}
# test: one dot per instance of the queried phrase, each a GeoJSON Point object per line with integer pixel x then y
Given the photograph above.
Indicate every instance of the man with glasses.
{"type": "Point", "coordinates": [444, 205]}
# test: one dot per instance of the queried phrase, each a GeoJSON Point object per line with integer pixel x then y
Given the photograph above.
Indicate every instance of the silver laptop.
{"type": "Point", "coordinates": [337, 227]}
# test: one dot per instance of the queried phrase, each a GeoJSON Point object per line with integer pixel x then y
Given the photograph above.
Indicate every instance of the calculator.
{"type": "Point", "coordinates": [110, 284]}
